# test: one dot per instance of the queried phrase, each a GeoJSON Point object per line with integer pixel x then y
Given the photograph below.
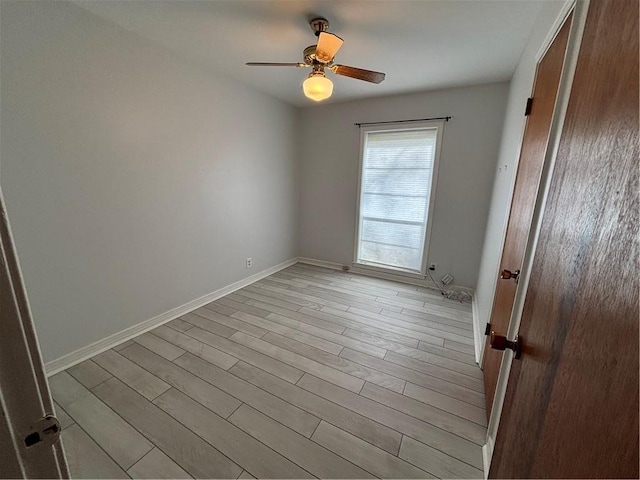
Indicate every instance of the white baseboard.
{"type": "Point", "coordinates": [486, 459]}
{"type": "Point", "coordinates": [370, 272]}
{"type": "Point", "coordinates": [77, 356]}
{"type": "Point", "coordinates": [320, 263]}
{"type": "Point", "coordinates": [478, 333]}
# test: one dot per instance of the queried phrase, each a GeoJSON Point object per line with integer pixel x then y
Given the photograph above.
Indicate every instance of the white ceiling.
{"type": "Point", "coordinates": [419, 44]}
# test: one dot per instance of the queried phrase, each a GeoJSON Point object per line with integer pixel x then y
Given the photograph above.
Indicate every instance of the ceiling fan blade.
{"type": "Point", "coordinates": [276, 64]}
{"type": "Point", "coordinates": [358, 73]}
{"type": "Point", "coordinates": [328, 46]}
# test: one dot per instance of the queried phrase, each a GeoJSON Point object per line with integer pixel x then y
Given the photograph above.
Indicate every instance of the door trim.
{"type": "Point", "coordinates": [580, 9]}
{"type": "Point", "coordinates": [478, 323]}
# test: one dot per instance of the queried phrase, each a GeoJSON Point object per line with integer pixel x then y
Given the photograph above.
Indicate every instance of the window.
{"type": "Point", "coordinates": [397, 186]}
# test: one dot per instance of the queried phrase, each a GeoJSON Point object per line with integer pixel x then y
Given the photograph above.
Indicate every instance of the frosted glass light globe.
{"type": "Point", "coordinates": [317, 87]}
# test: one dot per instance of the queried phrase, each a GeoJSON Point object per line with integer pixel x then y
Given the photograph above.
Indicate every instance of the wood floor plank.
{"type": "Point", "coordinates": [366, 288]}
{"type": "Point", "coordinates": [366, 456]}
{"type": "Point", "coordinates": [331, 286]}
{"type": "Point", "coordinates": [432, 461]}
{"type": "Point", "coordinates": [85, 458]}
{"type": "Point", "coordinates": [156, 464]}
{"type": "Point", "coordinates": [269, 299]}
{"type": "Point", "coordinates": [231, 322]}
{"type": "Point", "coordinates": [243, 306]}
{"type": "Point", "coordinates": [474, 382]}
{"type": "Point", "coordinates": [235, 297]}
{"type": "Point", "coordinates": [459, 347]}
{"type": "Point", "coordinates": [348, 420]}
{"type": "Point", "coordinates": [279, 310]}
{"type": "Point", "coordinates": [331, 336]}
{"type": "Point", "coordinates": [339, 289]}
{"type": "Point", "coordinates": [217, 307]}
{"type": "Point", "coordinates": [302, 294]}
{"type": "Point", "coordinates": [434, 321]}
{"type": "Point", "coordinates": [382, 282]}
{"type": "Point", "coordinates": [159, 346]}
{"type": "Point", "coordinates": [189, 451]}
{"type": "Point", "coordinates": [213, 398]}
{"type": "Point", "coordinates": [89, 373]}
{"type": "Point", "coordinates": [344, 300]}
{"type": "Point", "coordinates": [460, 335]}
{"type": "Point", "coordinates": [237, 445]}
{"type": "Point", "coordinates": [115, 436]}
{"type": "Point", "coordinates": [427, 308]}
{"type": "Point", "coordinates": [309, 455]}
{"type": "Point", "coordinates": [63, 417]}
{"type": "Point", "coordinates": [241, 352]}
{"type": "Point", "coordinates": [442, 352]}
{"type": "Point", "coordinates": [122, 345]}
{"type": "Point", "coordinates": [381, 342]}
{"type": "Point", "coordinates": [366, 327]}
{"type": "Point", "coordinates": [441, 418]}
{"type": "Point", "coordinates": [179, 325]}
{"type": "Point", "coordinates": [196, 347]}
{"type": "Point", "coordinates": [419, 378]}
{"type": "Point", "coordinates": [439, 300]}
{"type": "Point", "coordinates": [217, 328]}
{"type": "Point", "coordinates": [289, 332]}
{"type": "Point", "coordinates": [122, 442]}
{"type": "Point", "coordinates": [136, 377]}
{"type": "Point", "coordinates": [331, 360]}
{"type": "Point", "coordinates": [287, 296]}
{"type": "Point", "coordinates": [65, 389]}
{"type": "Point", "coordinates": [300, 362]}
{"type": "Point", "coordinates": [307, 319]}
{"type": "Point", "coordinates": [449, 445]}
{"type": "Point", "coordinates": [462, 409]}
{"type": "Point", "coordinates": [271, 405]}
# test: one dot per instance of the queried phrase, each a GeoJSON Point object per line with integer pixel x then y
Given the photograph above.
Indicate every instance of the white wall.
{"type": "Point", "coordinates": [134, 182]}
{"type": "Point", "coordinates": [520, 89]}
{"type": "Point", "coordinates": [329, 146]}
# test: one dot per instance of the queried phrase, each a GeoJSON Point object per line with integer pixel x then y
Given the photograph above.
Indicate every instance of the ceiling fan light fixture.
{"type": "Point", "coordinates": [317, 87]}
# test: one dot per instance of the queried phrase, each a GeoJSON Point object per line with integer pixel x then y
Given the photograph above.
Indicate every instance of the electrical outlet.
{"type": "Point", "coordinates": [433, 266]}
{"type": "Point", "coordinates": [249, 262]}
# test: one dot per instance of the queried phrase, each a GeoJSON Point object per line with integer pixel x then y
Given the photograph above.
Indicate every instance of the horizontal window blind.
{"type": "Point", "coordinates": [397, 172]}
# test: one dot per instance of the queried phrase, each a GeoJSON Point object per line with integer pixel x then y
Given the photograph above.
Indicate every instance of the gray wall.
{"type": "Point", "coordinates": [134, 182]}
{"type": "Point", "coordinates": [329, 156]}
{"type": "Point", "coordinates": [520, 89]}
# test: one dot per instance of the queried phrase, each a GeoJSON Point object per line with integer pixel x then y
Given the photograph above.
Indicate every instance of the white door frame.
{"type": "Point", "coordinates": [579, 8]}
{"type": "Point", "coordinates": [24, 391]}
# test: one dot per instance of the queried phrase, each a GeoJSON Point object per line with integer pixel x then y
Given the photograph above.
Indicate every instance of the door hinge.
{"type": "Point", "coordinates": [527, 109]}
{"type": "Point", "coordinates": [487, 329]}
{"type": "Point", "coordinates": [45, 431]}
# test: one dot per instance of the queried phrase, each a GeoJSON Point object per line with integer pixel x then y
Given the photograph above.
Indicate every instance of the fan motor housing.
{"type": "Point", "coordinates": [309, 54]}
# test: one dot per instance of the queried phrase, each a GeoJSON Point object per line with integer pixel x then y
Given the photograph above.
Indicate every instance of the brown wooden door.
{"type": "Point", "coordinates": [532, 154]}
{"type": "Point", "coordinates": [571, 406]}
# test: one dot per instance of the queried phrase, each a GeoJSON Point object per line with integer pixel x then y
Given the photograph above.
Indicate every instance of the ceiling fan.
{"type": "Point", "coordinates": [320, 57]}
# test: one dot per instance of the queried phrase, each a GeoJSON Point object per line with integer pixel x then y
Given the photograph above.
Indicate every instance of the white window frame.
{"type": "Point", "coordinates": [404, 126]}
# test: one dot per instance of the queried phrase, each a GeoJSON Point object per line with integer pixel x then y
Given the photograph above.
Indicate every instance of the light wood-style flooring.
{"type": "Point", "coordinates": [309, 372]}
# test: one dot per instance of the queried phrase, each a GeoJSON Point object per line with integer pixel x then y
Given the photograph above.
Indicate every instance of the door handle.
{"type": "Point", "coordinates": [500, 342]}
{"type": "Point", "coordinates": [508, 274]}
